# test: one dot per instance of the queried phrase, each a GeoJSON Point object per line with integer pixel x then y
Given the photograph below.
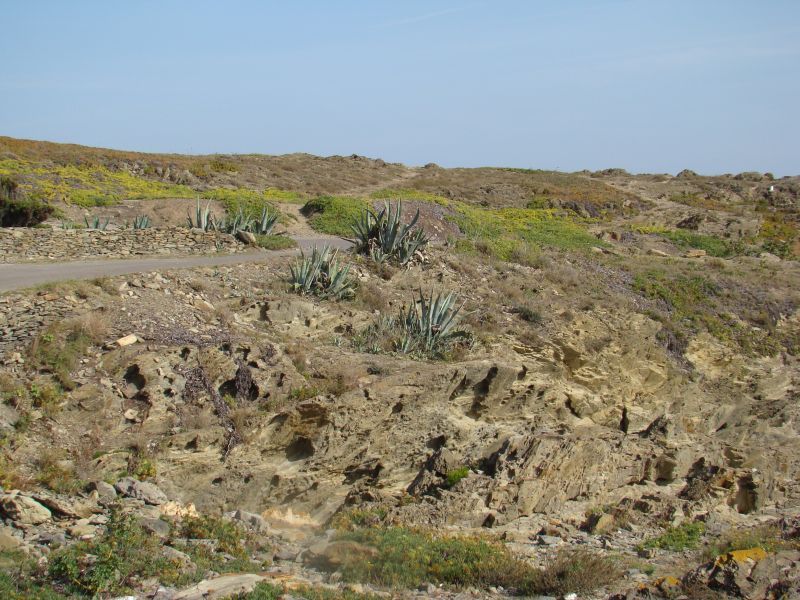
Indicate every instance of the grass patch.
{"type": "Point", "coordinates": [59, 348]}
{"type": "Point", "coordinates": [334, 214]}
{"type": "Point", "coordinates": [407, 558]}
{"type": "Point", "coordinates": [270, 591]}
{"type": "Point", "coordinates": [18, 579]}
{"type": "Point", "coordinates": [685, 536]}
{"type": "Point", "coordinates": [275, 242]}
{"type": "Point", "coordinates": [712, 245]}
{"type": "Point", "coordinates": [456, 475]}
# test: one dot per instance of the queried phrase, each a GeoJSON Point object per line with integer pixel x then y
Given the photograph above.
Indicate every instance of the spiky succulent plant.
{"type": "Point", "coordinates": [321, 273]}
{"type": "Point", "coordinates": [383, 236]}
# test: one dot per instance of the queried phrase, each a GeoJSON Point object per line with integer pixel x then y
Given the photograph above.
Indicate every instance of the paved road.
{"type": "Point", "coordinates": [23, 275]}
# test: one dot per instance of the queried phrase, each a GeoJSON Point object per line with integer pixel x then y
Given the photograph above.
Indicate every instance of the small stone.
{"type": "Point", "coordinates": [131, 414]}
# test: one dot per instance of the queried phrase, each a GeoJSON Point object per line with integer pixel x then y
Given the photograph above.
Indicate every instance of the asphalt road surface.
{"type": "Point", "coordinates": [24, 275]}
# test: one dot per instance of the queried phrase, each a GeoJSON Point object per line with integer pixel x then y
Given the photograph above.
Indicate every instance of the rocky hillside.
{"type": "Point", "coordinates": [614, 415]}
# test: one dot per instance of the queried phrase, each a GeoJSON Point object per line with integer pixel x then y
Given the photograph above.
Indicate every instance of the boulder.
{"type": "Point", "coordinates": [105, 491]}
{"type": "Point", "coordinates": [246, 237]}
{"type": "Point", "coordinates": [250, 520]}
{"type": "Point", "coordinates": [225, 586]}
{"type": "Point", "coordinates": [141, 490]}
{"type": "Point", "coordinates": [23, 509]}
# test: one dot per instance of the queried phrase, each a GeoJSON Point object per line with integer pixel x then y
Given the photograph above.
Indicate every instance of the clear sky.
{"type": "Point", "coordinates": [650, 86]}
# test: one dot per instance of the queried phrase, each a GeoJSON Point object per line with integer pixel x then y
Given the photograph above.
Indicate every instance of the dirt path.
{"type": "Point", "coordinates": [23, 275]}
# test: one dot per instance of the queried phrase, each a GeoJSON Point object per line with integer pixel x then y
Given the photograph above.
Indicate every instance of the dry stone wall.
{"type": "Point", "coordinates": [19, 244]}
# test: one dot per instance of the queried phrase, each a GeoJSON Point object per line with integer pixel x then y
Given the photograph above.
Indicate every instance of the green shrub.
{"type": "Point", "coordinates": [108, 564]}
{"type": "Point", "coordinates": [382, 236]}
{"type": "Point", "coordinates": [573, 571]}
{"type": "Point", "coordinates": [230, 537]}
{"type": "Point", "coordinates": [275, 242]}
{"type": "Point", "coordinates": [58, 352]}
{"type": "Point", "coordinates": [321, 274]}
{"type": "Point", "coordinates": [335, 214]}
{"type": "Point", "coordinates": [456, 475]}
{"type": "Point", "coordinates": [677, 539]}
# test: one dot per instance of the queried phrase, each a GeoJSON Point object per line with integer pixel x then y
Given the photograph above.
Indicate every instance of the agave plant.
{"type": "Point", "coordinates": [321, 274]}
{"type": "Point", "coordinates": [204, 218]}
{"type": "Point", "coordinates": [266, 223]}
{"type": "Point", "coordinates": [141, 222]}
{"type": "Point", "coordinates": [95, 223]}
{"type": "Point", "coordinates": [429, 325]}
{"type": "Point", "coordinates": [236, 223]}
{"type": "Point", "coordinates": [382, 236]}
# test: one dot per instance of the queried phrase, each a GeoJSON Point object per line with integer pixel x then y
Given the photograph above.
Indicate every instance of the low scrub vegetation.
{"type": "Point", "coordinates": [321, 274]}
{"type": "Point", "coordinates": [408, 558]}
{"type": "Point", "coordinates": [688, 303]}
{"type": "Point", "coordinates": [713, 246]}
{"type": "Point", "coordinates": [515, 234]}
{"type": "Point", "coordinates": [16, 210]}
{"type": "Point", "coordinates": [108, 564]}
{"type": "Point", "coordinates": [677, 539]}
{"type": "Point", "coordinates": [335, 214]}
{"type": "Point", "coordinates": [271, 591]}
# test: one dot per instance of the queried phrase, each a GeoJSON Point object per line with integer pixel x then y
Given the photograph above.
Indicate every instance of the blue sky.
{"type": "Point", "coordinates": [650, 86]}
